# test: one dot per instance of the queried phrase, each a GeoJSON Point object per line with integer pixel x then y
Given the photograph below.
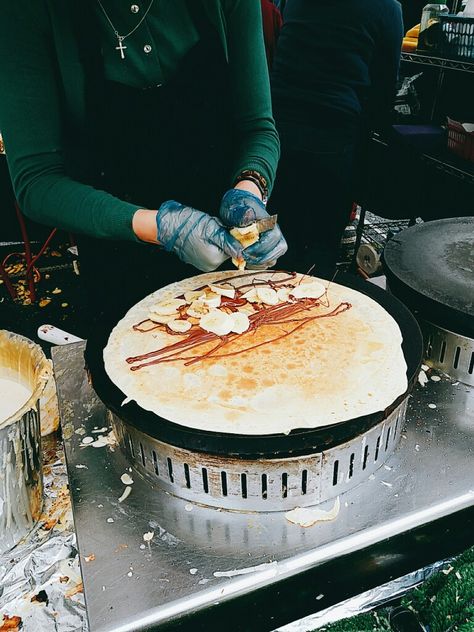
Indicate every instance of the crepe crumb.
{"type": "Point", "coordinates": [126, 494]}
{"type": "Point", "coordinates": [126, 479]}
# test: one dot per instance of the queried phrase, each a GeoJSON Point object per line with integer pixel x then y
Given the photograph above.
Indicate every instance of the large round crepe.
{"type": "Point", "coordinates": [331, 370]}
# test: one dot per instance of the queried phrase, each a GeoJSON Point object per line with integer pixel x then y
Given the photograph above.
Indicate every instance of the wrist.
{"type": "Point", "coordinates": [144, 225]}
{"type": "Point", "coordinates": [250, 187]}
{"type": "Point", "coordinates": [250, 175]}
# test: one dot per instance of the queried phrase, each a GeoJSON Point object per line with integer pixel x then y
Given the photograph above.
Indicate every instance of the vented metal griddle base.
{"type": "Point", "coordinates": [261, 484]}
{"type": "Point", "coordinates": [448, 352]}
{"type": "Point", "coordinates": [201, 557]}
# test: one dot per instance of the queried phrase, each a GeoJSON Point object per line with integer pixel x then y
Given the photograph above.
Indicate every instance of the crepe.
{"type": "Point", "coordinates": [326, 371]}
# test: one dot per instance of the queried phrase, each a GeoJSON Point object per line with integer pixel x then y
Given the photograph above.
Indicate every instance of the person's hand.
{"type": "Point", "coordinates": [241, 208]}
{"type": "Point", "coordinates": [197, 238]}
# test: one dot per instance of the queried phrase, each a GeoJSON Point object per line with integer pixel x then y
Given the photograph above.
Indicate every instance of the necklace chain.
{"type": "Point", "coordinates": [117, 34]}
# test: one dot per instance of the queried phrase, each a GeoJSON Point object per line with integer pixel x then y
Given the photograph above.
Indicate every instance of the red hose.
{"type": "Point", "coordinates": [28, 257]}
{"type": "Point", "coordinates": [42, 249]}
{"type": "Point", "coordinates": [31, 260]}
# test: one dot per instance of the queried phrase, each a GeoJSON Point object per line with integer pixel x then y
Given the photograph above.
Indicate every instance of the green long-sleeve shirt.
{"type": "Point", "coordinates": [42, 90]}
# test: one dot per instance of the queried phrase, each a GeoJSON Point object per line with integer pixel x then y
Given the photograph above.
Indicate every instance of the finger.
{"type": "Point", "coordinates": [267, 242]}
{"type": "Point", "coordinates": [271, 248]}
{"type": "Point", "coordinates": [228, 244]}
{"type": "Point", "coordinates": [269, 259]}
{"type": "Point", "coordinates": [262, 266]}
{"type": "Point", "coordinates": [209, 259]}
{"type": "Point", "coordinates": [240, 208]}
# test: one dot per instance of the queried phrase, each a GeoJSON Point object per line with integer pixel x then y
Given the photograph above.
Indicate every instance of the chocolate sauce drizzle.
{"type": "Point", "coordinates": [281, 314]}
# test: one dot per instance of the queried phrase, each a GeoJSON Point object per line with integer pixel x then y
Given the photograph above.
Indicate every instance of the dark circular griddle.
{"type": "Point", "coordinates": [430, 267]}
{"type": "Point", "coordinates": [296, 443]}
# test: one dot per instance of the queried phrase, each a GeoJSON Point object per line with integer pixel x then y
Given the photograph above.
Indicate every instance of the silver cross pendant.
{"type": "Point", "coordinates": [121, 47]}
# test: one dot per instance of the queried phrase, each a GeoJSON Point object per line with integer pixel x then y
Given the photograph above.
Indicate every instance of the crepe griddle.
{"type": "Point", "coordinates": [430, 267]}
{"type": "Point", "coordinates": [296, 442]}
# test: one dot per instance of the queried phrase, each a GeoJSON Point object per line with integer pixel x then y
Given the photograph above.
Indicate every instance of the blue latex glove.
{"type": "Point", "coordinates": [241, 208]}
{"type": "Point", "coordinates": [197, 238]}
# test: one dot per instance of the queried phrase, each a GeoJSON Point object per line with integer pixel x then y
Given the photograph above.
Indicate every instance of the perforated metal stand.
{"type": "Point", "coordinates": [264, 484]}
{"type": "Point", "coordinates": [448, 352]}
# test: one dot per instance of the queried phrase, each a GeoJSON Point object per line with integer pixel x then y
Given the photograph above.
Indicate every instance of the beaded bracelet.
{"type": "Point", "coordinates": [256, 178]}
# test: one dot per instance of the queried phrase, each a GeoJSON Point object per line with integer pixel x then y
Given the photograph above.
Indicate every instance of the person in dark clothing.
{"type": "Point", "coordinates": [142, 129]}
{"type": "Point", "coordinates": [334, 76]}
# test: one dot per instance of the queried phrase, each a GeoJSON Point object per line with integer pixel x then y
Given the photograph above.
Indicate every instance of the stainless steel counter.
{"type": "Point", "coordinates": [200, 557]}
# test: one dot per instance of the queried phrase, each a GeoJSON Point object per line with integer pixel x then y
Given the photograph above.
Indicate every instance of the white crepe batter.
{"type": "Point", "coordinates": [13, 395]}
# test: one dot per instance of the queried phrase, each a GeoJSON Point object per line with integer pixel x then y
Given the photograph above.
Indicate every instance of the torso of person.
{"type": "Point", "coordinates": [322, 68]}
{"type": "Point", "coordinates": [160, 129]}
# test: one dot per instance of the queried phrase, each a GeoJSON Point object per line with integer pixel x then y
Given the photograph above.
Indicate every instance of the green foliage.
{"type": "Point", "coordinates": [371, 622]}
{"type": "Point", "coordinates": [445, 603]}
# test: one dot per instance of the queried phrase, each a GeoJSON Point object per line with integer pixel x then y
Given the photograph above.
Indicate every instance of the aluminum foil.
{"type": "Point", "coordinates": [40, 580]}
{"type": "Point", "coordinates": [365, 601]}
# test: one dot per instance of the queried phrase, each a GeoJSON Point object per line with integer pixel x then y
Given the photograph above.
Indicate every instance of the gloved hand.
{"type": "Point", "coordinates": [241, 208]}
{"type": "Point", "coordinates": [197, 238]}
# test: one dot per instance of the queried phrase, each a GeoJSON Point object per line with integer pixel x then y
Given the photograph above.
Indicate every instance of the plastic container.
{"type": "Point", "coordinates": [23, 365]}
{"type": "Point", "coordinates": [430, 27]}
{"type": "Point", "coordinates": [460, 139]}
{"type": "Point", "coordinates": [431, 14]}
{"type": "Point", "coordinates": [457, 37]}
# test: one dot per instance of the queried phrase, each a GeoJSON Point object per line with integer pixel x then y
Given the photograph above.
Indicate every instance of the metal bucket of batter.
{"type": "Point", "coordinates": [24, 373]}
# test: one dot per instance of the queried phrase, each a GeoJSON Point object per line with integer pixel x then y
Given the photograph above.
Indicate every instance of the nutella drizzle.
{"type": "Point", "coordinates": [281, 314]}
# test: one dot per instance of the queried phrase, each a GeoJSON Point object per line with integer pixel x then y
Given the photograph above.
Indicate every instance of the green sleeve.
{"type": "Point", "coordinates": [30, 122]}
{"type": "Point", "coordinates": [259, 147]}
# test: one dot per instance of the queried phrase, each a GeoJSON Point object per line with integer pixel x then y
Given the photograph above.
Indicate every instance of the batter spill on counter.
{"type": "Point", "coordinates": [13, 395]}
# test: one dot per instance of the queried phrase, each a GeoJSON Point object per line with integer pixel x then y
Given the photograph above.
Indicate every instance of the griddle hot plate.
{"type": "Point", "coordinates": [430, 267]}
{"type": "Point", "coordinates": [260, 472]}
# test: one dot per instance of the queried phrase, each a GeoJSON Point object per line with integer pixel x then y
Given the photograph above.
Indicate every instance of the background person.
{"type": "Point", "coordinates": [334, 77]}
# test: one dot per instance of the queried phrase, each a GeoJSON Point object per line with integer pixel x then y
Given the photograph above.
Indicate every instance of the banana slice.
{"type": "Point", "coordinates": [217, 322]}
{"type": "Point", "coordinates": [267, 295]}
{"type": "Point", "coordinates": [241, 322]}
{"type": "Point", "coordinates": [161, 320]}
{"type": "Point", "coordinates": [211, 299]}
{"type": "Point", "coordinates": [247, 309]}
{"type": "Point", "coordinates": [239, 263]}
{"type": "Point", "coordinates": [179, 326]}
{"type": "Point", "coordinates": [168, 307]}
{"type": "Point", "coordinates": [283, 294]}
{"type": "Point", "coordinates": [251, 296]}
{"type": "Point", "coordinates": [194, 295]}
{"type": "Point", "coordinates": [247, 235]}
{"type": "Point", "coordinates": [312, 289]}
{"type": "Point", "coordinates": [223, 290]}
{"type": "Point", "coordinates": [198, 309]}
